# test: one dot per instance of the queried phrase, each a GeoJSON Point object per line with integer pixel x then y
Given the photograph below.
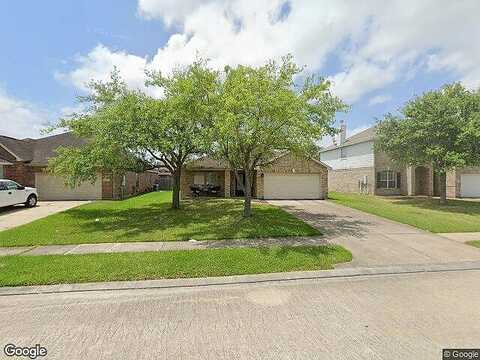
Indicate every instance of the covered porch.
{"type": "Point", "coordinates": [213, 182]}
{"type": "Point", "coordinates": [421, 181]}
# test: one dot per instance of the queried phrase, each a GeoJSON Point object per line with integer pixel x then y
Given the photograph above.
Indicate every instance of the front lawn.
{"type": "Point", "coordinates": [475, 243]}
{"type": "Point", "coordinates": [56, 269]}
{"type": "Point", "coordinates": [423, 213]}
{"type": "Point", "coordinates": [150, 218]}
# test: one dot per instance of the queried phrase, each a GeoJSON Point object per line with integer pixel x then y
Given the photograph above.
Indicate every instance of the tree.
{"type": "Point", "coordinates": [262, 113]}
{"type": "Point", "coordinates": [102, 149]}
{"type": "Point", "coordinates": [126, 127]}
{"type": "Point", "coordinates": [441, 129]}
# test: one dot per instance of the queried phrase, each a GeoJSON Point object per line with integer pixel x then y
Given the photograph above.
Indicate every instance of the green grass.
{"type": "Point", "coordinates": [423, 213]}
{"type": "Point", "coordinates": [150, 218]}
{"type": "Point", "coordinates": [475, 243]}
{"type": "Point", "coordinates": [56, 269]}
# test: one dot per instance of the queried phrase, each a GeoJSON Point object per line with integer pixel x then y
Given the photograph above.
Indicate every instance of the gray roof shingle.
{"type": "Point", "coordinates": [363, 136]}
{"type": "Point", "coordinates": [38, 151]}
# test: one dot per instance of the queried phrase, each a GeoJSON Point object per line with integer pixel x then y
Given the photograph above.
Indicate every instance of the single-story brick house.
{"type": "Point", "coordinates": [285, 177]}
{"type": "Point", "coordinates": [358, 167]}
{"type": "Point", "coordinates": [25, 162]}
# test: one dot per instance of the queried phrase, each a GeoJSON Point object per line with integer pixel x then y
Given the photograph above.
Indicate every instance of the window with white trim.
{"type": "Point", "coordinates": [388, 179]}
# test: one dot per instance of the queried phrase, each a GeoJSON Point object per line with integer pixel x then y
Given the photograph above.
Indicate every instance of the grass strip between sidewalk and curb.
{"type": "Point", "coordinates": [58, 269]}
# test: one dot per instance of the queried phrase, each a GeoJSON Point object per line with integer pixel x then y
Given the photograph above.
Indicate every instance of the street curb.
{"type": "Point", "coordinates": [241, 279]}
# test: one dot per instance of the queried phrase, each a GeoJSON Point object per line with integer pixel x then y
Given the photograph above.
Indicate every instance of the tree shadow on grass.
{"type": "Point", "coordinates": [332, 225]}
{"type": "Point", "coordinates": [452, 206]}
{"type": "Point", "coordinates": [201, 219]}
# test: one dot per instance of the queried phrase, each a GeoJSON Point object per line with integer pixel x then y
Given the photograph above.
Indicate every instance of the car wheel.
{"type": "Point", "coordinates": [31, 201]}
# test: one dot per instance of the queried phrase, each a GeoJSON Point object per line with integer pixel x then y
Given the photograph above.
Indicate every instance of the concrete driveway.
{"type": "Point", "coordinates": [18, 215]}
{"type": "Point", "coordinates": [376, 241]}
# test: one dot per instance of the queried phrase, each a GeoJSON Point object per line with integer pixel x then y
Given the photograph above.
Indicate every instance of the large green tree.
{"type": "Point", "coordinates": [264, 111]}
{"type": "Point", "coordinates": [440, 128]}
{"type": "Point", "coordinates": [126, 127]}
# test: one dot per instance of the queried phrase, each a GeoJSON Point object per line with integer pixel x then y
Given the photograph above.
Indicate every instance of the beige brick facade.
{"type": "Point", "coordinates": [286, 164]}
{"type": "Point", "coordinates": [350, 180]}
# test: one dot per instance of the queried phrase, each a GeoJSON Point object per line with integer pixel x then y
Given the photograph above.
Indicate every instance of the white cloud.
{"type": "Point", "coordinates": [20, 119]}
{"type": "Point", "coordinates": [379, 99]}
{"type": "Point", "coordinates": [376, 45]}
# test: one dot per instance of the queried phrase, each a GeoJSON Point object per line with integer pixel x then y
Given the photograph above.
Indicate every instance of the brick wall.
{"type": "Point", "coordinates": [113, 188]}
{"type": "Point", "coordinates": [21, 173]}
{"type": "Point", "coordinates": [383, 162]}
{"type": "Point", "coordinates": [187, 180]}
{"type": "Point", "coordinates": [348, 180]}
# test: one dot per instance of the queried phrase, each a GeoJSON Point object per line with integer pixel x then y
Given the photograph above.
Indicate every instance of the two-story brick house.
{"type": "Point", "coordinates": [358, 167]}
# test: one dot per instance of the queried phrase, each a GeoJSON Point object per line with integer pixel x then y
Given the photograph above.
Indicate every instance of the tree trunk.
{"type": "Point", "coordinates": [247, 207]}
{"type": "Point", "coordinates": [176, 188]}
{"type": "Point", "coordinates": [442, 181]}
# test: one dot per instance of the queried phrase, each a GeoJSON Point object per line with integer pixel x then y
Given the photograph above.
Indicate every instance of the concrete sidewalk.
{"type": "Point", "coordinates": [462, 237]}
{"type": "Point", "coordinates": [159, 246]}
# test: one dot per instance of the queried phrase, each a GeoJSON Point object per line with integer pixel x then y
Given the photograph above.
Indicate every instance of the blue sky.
{"type": "Point", "coordinates": [376, 57]}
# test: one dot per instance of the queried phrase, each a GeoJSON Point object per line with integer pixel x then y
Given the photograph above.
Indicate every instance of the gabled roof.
{"type": "Point", "coordinates": [45, 148]}
{"type": "Point", "coordinates": [363, 136]}
{"type": "Point", "coordinates": [21, 150]}
{"type": "Point", "coordinates": [36, 151]}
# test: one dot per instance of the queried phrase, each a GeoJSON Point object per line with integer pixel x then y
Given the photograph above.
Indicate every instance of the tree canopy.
{"type": "Point", "coordinates": [126, 127]}
{"type": "Point", "coordinates": [263, 112]}
{"type": "Point", "coordinates": [440, 128]}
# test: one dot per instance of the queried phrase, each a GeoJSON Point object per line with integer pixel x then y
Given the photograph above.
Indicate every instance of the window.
{"type": "Point", "coordinates": [212, 178]}
{"type": "Point", "coordinates": [3, 185]}
{"type": "Point", "coordinates": [199, 179]}
{"type": "Point", "coordinates": [12, 185]}
{"type": "Point", "coordinates": [388, 179]}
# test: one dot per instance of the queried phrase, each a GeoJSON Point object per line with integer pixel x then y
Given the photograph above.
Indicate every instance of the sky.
{"type": "Point", "coordinates": [377, 54]}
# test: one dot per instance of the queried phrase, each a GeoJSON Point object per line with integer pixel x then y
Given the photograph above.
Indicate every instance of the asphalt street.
{"type": "Point", "coordinates": [410, 316]}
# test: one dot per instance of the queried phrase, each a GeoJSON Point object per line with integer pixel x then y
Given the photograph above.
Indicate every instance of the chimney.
{"type": "Point", "coordinates": [343, 132]}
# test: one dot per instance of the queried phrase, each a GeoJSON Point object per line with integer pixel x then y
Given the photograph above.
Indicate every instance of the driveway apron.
{"type": "Point", "coordinates": [375, 241]}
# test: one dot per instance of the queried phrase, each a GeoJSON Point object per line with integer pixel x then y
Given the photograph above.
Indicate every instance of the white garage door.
{"type": "Point", "coordinates": [51, 187]}
{"type": "Point", "coordinates": [298, 186]}
{"type": "Point", "coordinates": [470, 185]}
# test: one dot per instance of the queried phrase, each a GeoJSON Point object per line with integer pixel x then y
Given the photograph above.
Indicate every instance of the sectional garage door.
{"type": "Point", "coordinates": [292, 186]}
{"type": "Point", "coordinates": [51, 187]}
{"type": "Point", "coordinates": [470, 185]}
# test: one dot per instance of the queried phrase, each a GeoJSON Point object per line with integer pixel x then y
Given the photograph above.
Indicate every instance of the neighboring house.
{"type": "Point", "coordinates": [286, 177]}
{"type": "Point", "coordinates": [25, 162]}
{"type": "Point", "coordinates": [358, 167]}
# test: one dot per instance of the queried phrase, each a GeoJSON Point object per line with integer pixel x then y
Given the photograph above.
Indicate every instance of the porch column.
{"type": "Point", "coordinates": [227, 183]}
{"type": "Point", "coordinates": [430, 184]}
{"type": "Point", "coordinates": [411, 181]}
